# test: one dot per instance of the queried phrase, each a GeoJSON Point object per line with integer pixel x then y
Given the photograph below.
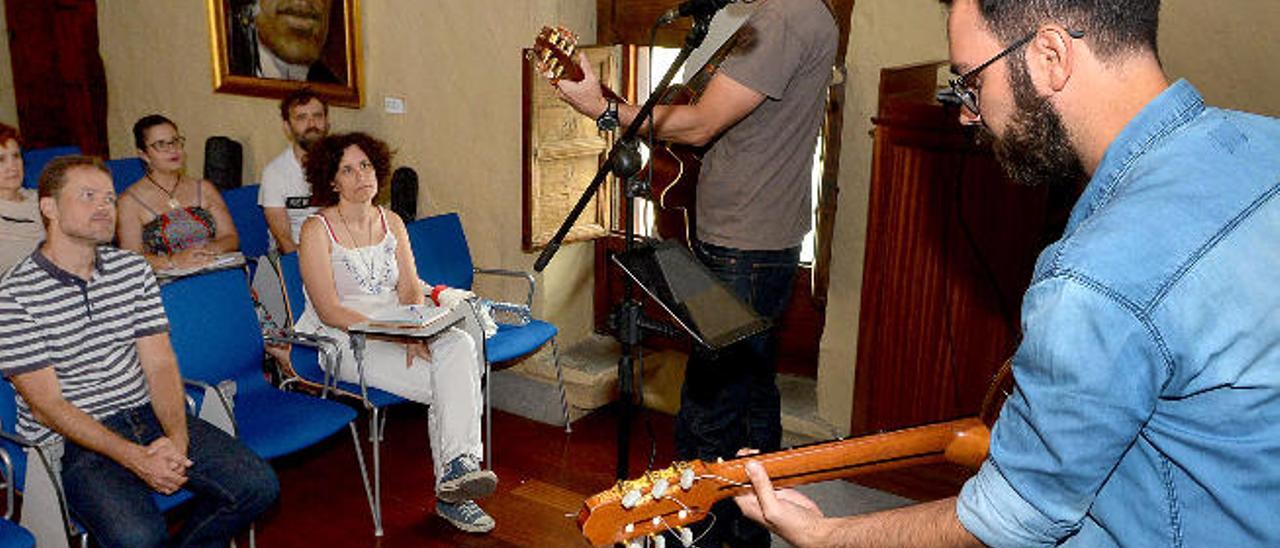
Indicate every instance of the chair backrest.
{"type": "Point", "coordinates": [213, 327]}
{"type": "Point", "coordinates": [295, 298]}
{"type": "Point", "coordinates": [440, 250]}
{"type": "Point", "coordinates": [125, 172]}
{"type": "Point", "coordinates": [33, 162]}
{"type": "Point", "coordinates": [9, 422]}
{"type": "Point", "coordinates": [251, 224]}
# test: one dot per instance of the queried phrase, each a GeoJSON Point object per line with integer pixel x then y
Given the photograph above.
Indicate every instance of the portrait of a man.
{"type": "Point", "coordinates": [283, 40]}
{"type": "Point", "coordinates": [270, 48]}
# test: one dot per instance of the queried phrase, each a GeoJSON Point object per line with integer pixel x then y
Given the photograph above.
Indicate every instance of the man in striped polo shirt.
{"type": "Point", "coordinates": [84, 340]}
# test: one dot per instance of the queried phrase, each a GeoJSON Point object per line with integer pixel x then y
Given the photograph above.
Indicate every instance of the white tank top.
{"type": "Point", "coordinates": [365, 277]}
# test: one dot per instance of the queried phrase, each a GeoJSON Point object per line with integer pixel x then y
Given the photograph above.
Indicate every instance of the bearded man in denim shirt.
{"type": "Point", "coordinates": [1147, 403]}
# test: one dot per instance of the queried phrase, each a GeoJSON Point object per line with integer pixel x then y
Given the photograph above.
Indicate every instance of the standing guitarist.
{"type": "Point", "coordinates": [760, 114]}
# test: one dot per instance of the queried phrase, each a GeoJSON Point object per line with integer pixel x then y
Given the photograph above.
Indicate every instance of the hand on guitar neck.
{"type": "Point", "coordinates": [555, 55]}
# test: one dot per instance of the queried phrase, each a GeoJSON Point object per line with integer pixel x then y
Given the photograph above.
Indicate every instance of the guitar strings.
{"type": "Point", "coordinates": [724, 480]}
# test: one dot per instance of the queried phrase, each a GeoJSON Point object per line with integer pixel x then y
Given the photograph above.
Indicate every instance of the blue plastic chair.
{"type": "Point", "coordinates": [13, 535]}
{"type": "Point", "coordinates": [442, 256]}
{"type": "Point", "coordinates": [246, 214]}
{"type": "Point", "coordinates": [215, 334]}
{"type": "Point", "coordinates": [43, 508]}
{"type": "Point", "coordinates": [33, 162]}
{"type": "Point", "coordinates": [305, 369]}
{"type": "Point", "coordinates": [125, 172]}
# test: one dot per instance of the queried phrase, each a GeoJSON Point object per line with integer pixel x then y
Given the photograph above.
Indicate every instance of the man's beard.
{"type": "Point", "coordinates": [1035, 148]}
{"type": "Point", "coordinates": [308, 138]}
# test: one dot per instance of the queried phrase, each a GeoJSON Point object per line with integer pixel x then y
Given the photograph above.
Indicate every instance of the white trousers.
{"type": "Point", "coordinates": [449, 384]}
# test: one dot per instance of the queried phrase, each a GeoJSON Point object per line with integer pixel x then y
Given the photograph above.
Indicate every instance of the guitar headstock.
{"type": "Point", "coordinates": [661, 500]}
{"type": "Point", "coordinates": [553, 54]}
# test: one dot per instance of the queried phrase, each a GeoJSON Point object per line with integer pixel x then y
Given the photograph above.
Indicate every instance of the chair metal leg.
{"type": "Point", "coordinates": [564, 400]}
{"type": "Point", "coordinates": [374, 508]}
{"type": "Point", "coordinates": [375, 428]}
{"type": "Point", "coordinates": [488, 418]}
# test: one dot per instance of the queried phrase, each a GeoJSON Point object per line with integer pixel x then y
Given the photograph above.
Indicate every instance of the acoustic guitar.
{"type": "Point", "coordinates": [669, 499]}
{"type": "Point", "coordinates": [674, 166]}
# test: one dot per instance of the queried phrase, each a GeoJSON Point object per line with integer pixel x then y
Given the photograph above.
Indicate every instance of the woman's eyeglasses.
{"type": "Point", "coordinates": [173, 144]}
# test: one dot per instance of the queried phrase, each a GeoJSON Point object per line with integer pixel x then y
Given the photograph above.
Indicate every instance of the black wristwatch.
{"type": "Point", "coordinates": [608, 120]}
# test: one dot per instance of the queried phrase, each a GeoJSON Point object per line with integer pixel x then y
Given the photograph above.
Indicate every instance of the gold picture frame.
{"type": "Point", "coordinates": [243, 63]}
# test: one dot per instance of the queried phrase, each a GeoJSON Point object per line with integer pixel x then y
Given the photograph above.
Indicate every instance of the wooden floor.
{"type": "Point", "coordinates": [544, 475]}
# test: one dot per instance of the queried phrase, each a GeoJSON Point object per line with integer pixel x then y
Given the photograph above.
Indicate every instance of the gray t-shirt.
{"type": "Point", "coordinates": [754, 187]}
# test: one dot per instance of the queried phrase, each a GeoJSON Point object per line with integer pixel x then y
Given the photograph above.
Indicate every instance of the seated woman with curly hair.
{"type": "Point", "coordinates": [356, 262]}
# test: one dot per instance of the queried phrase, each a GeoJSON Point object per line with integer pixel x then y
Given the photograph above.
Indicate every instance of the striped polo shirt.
{"type": "Point", "coordinates": [87, 331]}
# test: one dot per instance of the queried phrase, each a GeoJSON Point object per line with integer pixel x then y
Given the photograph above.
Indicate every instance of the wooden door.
{"type": "Point", "coordinates": [951, 244]}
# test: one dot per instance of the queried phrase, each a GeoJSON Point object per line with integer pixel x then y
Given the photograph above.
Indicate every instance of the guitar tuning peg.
{"type": "Point", "coordinates": [631, 499]}
{"type": "Point", "coordinates": [686, 536]}
{"type": "Point", "coordinates": [634, 544]}
{"type": "Point", "coordinates": [686, 479]}
{"type": "Point", "coordinates": [659, 541]}
{"type": "Point", "coordinates": [659, 488]}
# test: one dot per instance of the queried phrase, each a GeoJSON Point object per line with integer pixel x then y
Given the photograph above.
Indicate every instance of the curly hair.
{"type": "Point", "coordinates": [321, 167]}
{"type": "Point", "coordinates": [1114, 27]}
{"type": "Point", "coordinates": [9, 133]}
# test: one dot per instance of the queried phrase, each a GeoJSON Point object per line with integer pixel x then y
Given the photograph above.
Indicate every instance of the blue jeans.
{"type": "Point", "coordinates": [232, 486]}
{"type": "Point", "coordinates": [731, 400]}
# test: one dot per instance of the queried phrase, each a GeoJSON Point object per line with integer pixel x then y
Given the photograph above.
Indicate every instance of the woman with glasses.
{"type": "Point", "coordinates": [21, 228]}
{"type": "Point", "coordinates": [356, 262]}
{"type": "Point", "coordinates": [173, 220]}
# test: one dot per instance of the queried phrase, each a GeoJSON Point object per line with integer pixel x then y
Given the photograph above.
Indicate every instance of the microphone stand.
{"type": "Point", "coordinates": [623, 161]}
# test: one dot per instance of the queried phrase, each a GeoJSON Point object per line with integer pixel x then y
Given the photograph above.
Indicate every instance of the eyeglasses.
{"type": "Point", "coordinates": [175, 143]}
{"type": "Point", "coordinates": [363, 168]}
{"type": "Point", "coordinates": [962, 90]}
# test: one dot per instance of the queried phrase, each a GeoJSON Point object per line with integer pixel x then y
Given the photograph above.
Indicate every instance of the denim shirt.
{"type": "Point", "coordinates": [1147, 403]}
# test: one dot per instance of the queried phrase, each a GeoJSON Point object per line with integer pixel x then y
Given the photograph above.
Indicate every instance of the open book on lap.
{"type": "Point", "coordinates": [408, 320]}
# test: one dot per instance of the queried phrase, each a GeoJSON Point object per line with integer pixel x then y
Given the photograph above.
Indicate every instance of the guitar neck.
{"type": "Point", "coordinates": [631, 509]}
{"type": "Point", "coordinates": [960, 441]}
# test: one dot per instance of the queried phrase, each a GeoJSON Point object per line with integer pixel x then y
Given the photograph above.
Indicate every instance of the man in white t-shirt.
{"type": "Point", "coordinates": [285, 195]}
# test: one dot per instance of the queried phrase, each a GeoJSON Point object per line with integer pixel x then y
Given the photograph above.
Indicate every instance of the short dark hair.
{"type": "Point", "coordinates": [1113, 27]}
{"type": "Point", "coordinates": [321, 167]}
{"type": "Point", "coordinates": [147, 122]}
{"type": "Point", "coordinates": [298, 97]}
{"type": "Point", "coordinates": [9, 133]}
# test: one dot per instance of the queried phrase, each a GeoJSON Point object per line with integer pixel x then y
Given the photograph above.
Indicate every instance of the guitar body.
{"type": "Point", "coordinates": [674, 190]}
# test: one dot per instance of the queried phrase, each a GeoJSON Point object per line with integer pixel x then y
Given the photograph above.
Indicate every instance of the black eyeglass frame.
{"type": "Point", "coordinates": [962, 92]}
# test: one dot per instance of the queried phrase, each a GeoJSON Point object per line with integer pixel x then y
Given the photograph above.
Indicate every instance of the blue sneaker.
{"type": "Point", "coordinates": [466, 515]}
{"type": "Point", "coordinates": [464, 480]}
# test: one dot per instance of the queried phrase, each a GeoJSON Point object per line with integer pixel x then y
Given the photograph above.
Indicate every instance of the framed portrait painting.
{"type": "Point", "coordinates": [268, 48]}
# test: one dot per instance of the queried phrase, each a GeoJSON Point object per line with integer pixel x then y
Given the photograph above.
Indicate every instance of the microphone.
{"type": "Point", "coordinates": [693, 8]}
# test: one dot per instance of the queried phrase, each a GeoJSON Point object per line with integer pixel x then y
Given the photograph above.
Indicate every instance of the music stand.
{"type": "Point", "coordinates": [699, 302]}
